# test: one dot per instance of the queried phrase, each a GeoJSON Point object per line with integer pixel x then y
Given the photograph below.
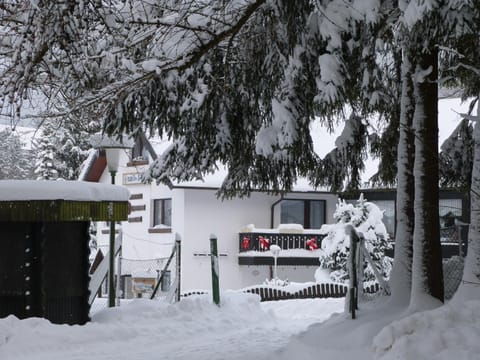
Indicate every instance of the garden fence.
{"type": "Point", "coordinates": [452, 275]}
{"type": "Point", "coordinates": [138, 279]}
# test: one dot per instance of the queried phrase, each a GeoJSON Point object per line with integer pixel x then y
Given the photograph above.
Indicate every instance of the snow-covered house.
{"type": "Point", "coordinates": [194, 212]}
{"type": "Point", "coordinates": [243, 227]}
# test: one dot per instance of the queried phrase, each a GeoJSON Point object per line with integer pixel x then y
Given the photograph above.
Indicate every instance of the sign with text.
{"type": "Point", "coordinates": [132, 178]}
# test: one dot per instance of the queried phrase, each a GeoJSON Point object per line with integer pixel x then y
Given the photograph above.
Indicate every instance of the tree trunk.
{"type": "Point", "coordinates": [401, 276]}
{"type": "Point", "coordinates": [427, 273]}
{"type": "Point", "coordinates": [470, 286]}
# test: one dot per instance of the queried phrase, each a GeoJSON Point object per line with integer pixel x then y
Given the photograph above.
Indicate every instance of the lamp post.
{"type": "Point", "coordinates": [112, 149]}
{"type": "Point", "coordinates": [113, 155]}
{"type": "Point", "coordinates": [275, 249]}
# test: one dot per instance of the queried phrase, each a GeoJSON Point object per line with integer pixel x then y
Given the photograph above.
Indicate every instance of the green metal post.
{"type": "Point", "coordinates": [111, 267]}
{"type": "Point", "coordinates": [214, 259]}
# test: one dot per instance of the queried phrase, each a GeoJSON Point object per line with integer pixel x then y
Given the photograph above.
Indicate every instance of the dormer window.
{"type": "Point", "coordinates": [139, 153]}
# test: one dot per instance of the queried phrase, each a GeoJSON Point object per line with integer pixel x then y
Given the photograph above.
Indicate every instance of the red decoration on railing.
{"type": "Point", "coordinates": [312, 244]}
{"type": "Point", "coordinates": [264, 243]}
{"type": "Point", "coordinates": [246, 243]}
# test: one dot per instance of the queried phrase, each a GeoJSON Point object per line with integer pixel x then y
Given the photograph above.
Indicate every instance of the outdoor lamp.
{"type": "Point", "coordinates": [113, 157]}
{"type": "Point", "coordinates": [275, 249]}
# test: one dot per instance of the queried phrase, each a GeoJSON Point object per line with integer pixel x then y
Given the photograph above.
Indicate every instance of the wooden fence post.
{"type": "Point", "coordinates": [178, 250]}
{"type": "Point", "coordinates": [353, 285]}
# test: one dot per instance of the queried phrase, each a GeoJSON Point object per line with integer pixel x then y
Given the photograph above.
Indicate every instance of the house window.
{"type": "Point", "coordinates": [309, 213]}
{"type": "Point", "coordinates": [449, 209]}
{"type": "Point", "coordinates": [162, 212]}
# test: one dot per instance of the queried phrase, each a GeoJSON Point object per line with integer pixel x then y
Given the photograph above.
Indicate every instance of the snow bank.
{"type": "Point", "coordinates": [192, 315]}
{"type": "Point", "coordinates": [244, 328]}
{"type": "Point", "coordinates": [383, 331]}
{"type": "Point", "coordinates": [342, 338]}
{"type": "Point", "coordinates": [448, 332]}
{"type": "Point", "coordinates": [307, 310]}
{"type": "Point", "coordinates": [144, 329]}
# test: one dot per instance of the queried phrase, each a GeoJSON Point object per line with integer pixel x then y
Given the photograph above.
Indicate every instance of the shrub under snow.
{"type": "Point", "coordinates": [366, 218]}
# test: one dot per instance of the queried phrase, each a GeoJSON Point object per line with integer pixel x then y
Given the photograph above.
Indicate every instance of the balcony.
{"type": "Point", "coordinates": [300, 247]}
{"type": "Point", "coordinates": [296, 248]}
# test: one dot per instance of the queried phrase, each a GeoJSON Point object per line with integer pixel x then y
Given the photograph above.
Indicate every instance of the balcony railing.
{"type": "Point", "coordinates": [256, 241]}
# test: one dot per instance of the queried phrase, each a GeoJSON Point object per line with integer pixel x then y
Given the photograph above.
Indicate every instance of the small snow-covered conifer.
{"type": "Point", "coordinates": [366, 218]}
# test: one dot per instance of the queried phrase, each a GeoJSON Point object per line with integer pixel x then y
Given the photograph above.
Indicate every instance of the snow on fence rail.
{"type": "Point", "coordinates": [268, 293]}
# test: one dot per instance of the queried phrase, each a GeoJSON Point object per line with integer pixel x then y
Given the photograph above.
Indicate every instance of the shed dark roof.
{"type": "Point", "coordinates": [22, 200]}
{"type": "Point", "coordinates": [63, 210]}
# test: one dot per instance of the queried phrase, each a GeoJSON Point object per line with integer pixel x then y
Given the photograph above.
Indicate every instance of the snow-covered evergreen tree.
{"type": "Point", "coordinates": [46, 166]}
{"type": "Point", "coordinates": [62, 147]}
{"type": "Point", "coordinates": [460, 69]}
{"type": "Point", "coordinates": [72, 145]}
{"type": "Point", "coordinates": [240, 82]}
{"type": "Point", "coordinates": [456, 157]}
{"type": "Point", "coordinates": [205, 73]}
{"type": "Point", "coordinates": [471, 277]}
{"type": "Point", "coordinates": [15, 160]}
{"type": "Point", "coordinates": [469, 288]}
{"type": "Point", "coordinates": [366, 218]}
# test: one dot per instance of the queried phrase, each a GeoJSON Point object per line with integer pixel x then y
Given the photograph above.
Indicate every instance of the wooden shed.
{"type": "Point", "coordinates": [44, 237]}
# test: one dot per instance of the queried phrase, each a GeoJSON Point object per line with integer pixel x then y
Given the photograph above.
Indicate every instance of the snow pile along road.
{"type": "Point", "coordinates": [144, 329]}
{"type": "Point", "coordinates": [244, 328]}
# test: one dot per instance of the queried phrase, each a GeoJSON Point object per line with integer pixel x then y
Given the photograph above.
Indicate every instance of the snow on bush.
{"type": "Point", "coordinates": [366, 218]}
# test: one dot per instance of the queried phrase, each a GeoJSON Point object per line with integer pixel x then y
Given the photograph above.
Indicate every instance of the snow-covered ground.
{"type": "Point", "coordinates": [144, 329]}
{"type": "Point", "coordinates": [384, 331]}
{"type": "Point", "coordinates": [244, 328]}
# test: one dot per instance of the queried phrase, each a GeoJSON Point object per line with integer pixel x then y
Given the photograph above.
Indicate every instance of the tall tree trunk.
{"type": "Point", "coordinates": [469, 288]}
{"type": "Point", "coordinates": [401, 276]}
{"type": "Point", "coordinates": [427, 274]}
